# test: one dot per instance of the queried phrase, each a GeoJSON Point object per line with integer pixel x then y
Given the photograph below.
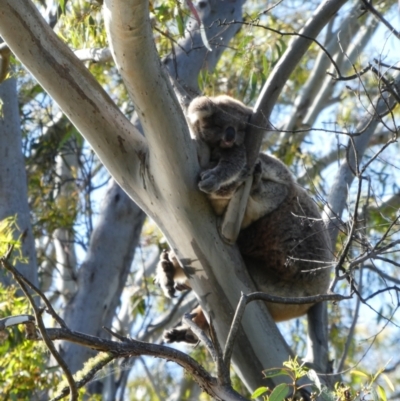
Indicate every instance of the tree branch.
{"type": "Point", "coordinates": [345, 175]}
{"type": "Point", "coordinates": [216, 271]}
{"type": "Point", "coordinates": [134, 348]}
{"type": "Point", "coordinates": [131, 41]}
{"type": "Point", "coordinates": [117, 143]}
{"type": "Point", "coordinates": [368, 5]}
{"type": "Point", "coordinates": [281, 73]}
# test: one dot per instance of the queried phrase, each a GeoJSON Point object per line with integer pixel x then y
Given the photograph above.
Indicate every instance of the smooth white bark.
{"type": "Point", "coordinates": [13, 182]}
{"type": "Point", "coordinates": [216, 270]}
{"type": "Point", "coordinates": [95, 55]}
{"type": "Point", "coordinates": [118, 144]}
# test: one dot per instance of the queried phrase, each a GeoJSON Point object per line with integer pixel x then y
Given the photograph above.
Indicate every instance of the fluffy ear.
{"type": "Point", "coordinates": [231, 105]}
{"type": "Point", "coordinates": [201, 107]}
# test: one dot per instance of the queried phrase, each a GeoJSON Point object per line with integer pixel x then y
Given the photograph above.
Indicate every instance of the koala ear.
{"type": "Point", "coordinates": [199, 108]}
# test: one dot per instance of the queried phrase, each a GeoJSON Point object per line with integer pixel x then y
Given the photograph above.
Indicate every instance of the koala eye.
{"type": "Point", "coordinates": [230, 134]}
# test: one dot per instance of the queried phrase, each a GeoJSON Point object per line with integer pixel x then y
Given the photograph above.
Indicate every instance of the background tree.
{"type": "Point", "coordinates": [315, 120]}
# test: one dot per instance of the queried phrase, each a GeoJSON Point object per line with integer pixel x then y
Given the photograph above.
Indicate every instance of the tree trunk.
{"type": "Point", "coordinates": [102, 276]}
{"type": "Point", "coordinates": [13, 183]}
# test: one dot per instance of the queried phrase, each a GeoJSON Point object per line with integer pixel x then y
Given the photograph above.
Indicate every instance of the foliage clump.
{"type": "Point", "coordinates": [24, 369]}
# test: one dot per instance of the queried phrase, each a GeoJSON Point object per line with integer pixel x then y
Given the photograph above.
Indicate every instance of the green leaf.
{"type": "Point", "coordinates": [280, 392]}
{"type": "Point", "coordinates": [265, 65]}
{"type": "Point", "coordinates": [253, 84]}
{"type": "Point", "coordinates": [381, 392]}
{"type": "Point", "coordinates": [62, 5]}
{"type": "Point", "coordinates": [260, 391]}
{"type": "Point", "coordinates": [141, 307]}
{"type": "Point", "coordinates": [358, 373]}
{"type": "Point", "coordinates": [179, 23]}
{"type": "Point", "coordinates": [388, 381]}
{"type": "Point", "coordinates": [273, 372]}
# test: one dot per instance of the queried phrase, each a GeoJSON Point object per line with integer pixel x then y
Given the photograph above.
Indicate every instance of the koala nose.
{"type": "Point", "coordinates": [230, 135]}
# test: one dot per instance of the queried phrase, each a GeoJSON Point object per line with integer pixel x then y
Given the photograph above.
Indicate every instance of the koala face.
{"type": "Point", "coordinates": [219, 121]}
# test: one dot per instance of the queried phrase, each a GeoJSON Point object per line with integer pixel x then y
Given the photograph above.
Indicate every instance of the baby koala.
{"type": "Point", "coordinates": [283, 240]}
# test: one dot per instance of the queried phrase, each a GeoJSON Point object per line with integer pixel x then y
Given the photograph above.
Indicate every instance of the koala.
{"type": "Point", "coordinates": [283, 240]}
{"type": "Point", "coordinates": [220, 123]}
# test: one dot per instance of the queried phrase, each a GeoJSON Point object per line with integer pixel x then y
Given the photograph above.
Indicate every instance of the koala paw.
{"type": "Point", "coordinates": [165, 275]}
{"type": "Point", "coordinates": [257, 173]}
{"type": "Point", "coordinates": [181, 287]}
{"type": "Point", "coordinates": [180, 334]}
{"type": "Point", "coordinates": [209, 182]}
{"type": "Point", "coordinates": [257, 167]}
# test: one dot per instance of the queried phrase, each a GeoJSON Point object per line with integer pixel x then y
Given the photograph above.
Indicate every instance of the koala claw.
{"type": "Point", "coordinates": [182, 287]}
{"type": "Point", "coordinates": [180, 334]}
{"type": "Point", "coordinates": [208, 187]}
{"type": "Point", "coordinates": [208, 182]}
{"type": "Point", "coordinates": [257, 173]}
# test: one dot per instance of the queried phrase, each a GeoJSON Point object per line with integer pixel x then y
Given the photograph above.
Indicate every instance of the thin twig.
{"type": "Point", "coordinates": [346, 248]}
{"type": "Point", "coordinates": [380, 17]}
{"type": "Point", "coordinates": [386, 233]}
{"type": "Point", "coordinates": [223, 373]}
{"type": "Point", "coordinates": [386, 65]}
{"type": "Point", "coordinates": [381, 291]}
{"type": "Point", "coordinates": [254, 23]}
{"type": "Point", "coordinates": [114, 334]}
{"type": "Point", "coordinates": [201, 335]}
{"type": "Point", "coordinates": [351, 77]}
{"type": "Point", "coordinates": [230, 341]}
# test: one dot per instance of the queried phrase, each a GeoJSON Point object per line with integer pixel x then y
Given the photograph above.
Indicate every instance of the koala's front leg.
{"type": "Point", "coordinates": [231, 168]}
{"type": "Point", "coordinates": [169, 274]}
{"type": "Point", "coordinates": [183, 333]}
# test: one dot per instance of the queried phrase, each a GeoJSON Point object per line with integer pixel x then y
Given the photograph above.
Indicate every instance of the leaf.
{"type": "Point", "coordinates": [381, 392]}
{"type": "Point", "coordinates": [377, 374]}
{"type": "Point", "coordinates": [280, 392]}
{"type": "Point", "coordinates": [388, 381]}
{"type": "Point", "coordinates": [62, 5]}
{"type": "Point", "coordinates": [260, 391]}
{"type": "Point", "coordinates": [312, 375]}
{"type": "Point", "coordinates": [273, 372]}
{"type": "Point", "coordinates": [179, 23]}
{"type": "Point", "coordinates": [359, 373]}
{"type": "Point", "coordinates": [265, 65]}
{"type": "Point", "coordinates": [253, 84]}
